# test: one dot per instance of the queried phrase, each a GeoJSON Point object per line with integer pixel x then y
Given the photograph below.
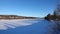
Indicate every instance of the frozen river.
{"type": "Point", "coordinates": [28, 26]}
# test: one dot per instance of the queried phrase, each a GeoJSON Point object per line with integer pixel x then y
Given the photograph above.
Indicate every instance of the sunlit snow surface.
{"type": "Point", "coordinates": [6, 24]}
{"type": "Point", "coordinates": [29, 26]}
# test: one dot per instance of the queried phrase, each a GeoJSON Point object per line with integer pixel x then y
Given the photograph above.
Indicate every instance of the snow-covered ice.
{"type": "Point", "coordinates": [28, 26]}
{"type": "Point", "coordinates": [6, 24]}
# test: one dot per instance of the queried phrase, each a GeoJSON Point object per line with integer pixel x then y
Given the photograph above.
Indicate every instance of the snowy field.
{"type": "Point", "coordinates": [28, 26]}
{"type": "Point", "coordinates": [6, 24]}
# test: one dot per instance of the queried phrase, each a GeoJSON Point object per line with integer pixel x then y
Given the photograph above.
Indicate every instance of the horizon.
{"type": "Point", "coordinates": [22, 16]}
{"type": "Point", "coordinates": [32, 8]}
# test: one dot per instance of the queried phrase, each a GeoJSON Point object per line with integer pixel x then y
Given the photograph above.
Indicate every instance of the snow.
{"type": "Point", "coordinates": [4, 24]}
{"type": "Point", "coordinates": [28, 26]}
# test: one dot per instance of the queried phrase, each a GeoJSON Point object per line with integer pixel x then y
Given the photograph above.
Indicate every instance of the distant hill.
{"type": "Point", "coordinates": [15, 17]}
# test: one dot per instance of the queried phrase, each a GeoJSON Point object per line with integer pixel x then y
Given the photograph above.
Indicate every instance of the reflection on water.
{"type": "Point", "coordinates": [30, 27]}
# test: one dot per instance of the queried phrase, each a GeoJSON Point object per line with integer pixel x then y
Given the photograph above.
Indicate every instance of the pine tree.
{"type": "Point", "coordinates": [48, 16]}
{"type": "Point", "coordinates": [54, 16]}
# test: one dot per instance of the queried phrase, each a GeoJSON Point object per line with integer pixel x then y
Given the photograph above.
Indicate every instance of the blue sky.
{"type": "Point", "coordinates": [35, 8]}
